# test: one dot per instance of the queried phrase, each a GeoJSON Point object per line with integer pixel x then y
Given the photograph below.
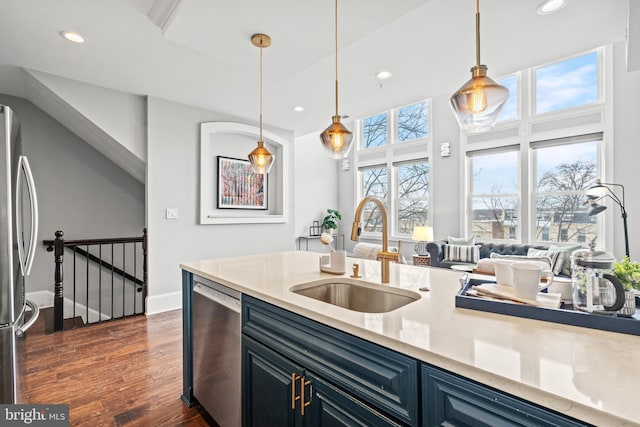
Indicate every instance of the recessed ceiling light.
{"type": "Point", "coordinates": [298, 108]}
{"type": "Point", "coordinates": [384, 75]}
{"type": "Point", "coordinates": [74, 37]}
{"type": "Point", "coordinates": [550, 6]}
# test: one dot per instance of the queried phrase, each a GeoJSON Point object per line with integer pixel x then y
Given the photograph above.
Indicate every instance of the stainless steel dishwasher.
{"type": "Point", "coordinates": [216, 351]}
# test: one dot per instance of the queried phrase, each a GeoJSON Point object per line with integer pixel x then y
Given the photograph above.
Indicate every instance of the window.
{"type": "Point", "coordinates": [526, 178]}
{"type": "Point", "coordinates": [393, 166]}
{"type": "Point", "coordinates": [562, 172]}
{"type": "Point", "coordinates": [374, 132]}
{"type": "Point", "coordinates": [510, 109]}
{"type": "Point", "coordinates": [413, 122]}
{"type": "Point", "coordinates": [413, 195]}
{"type": "Point", "coordinates": [567, 84]}
{"type": "Point", "coordinates": [374, 184]}
{"type": "Point", "coordinates": [494, 194]}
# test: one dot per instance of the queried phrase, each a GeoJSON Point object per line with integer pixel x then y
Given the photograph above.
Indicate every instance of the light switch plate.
{"type": "Point", "coordinates": [172, 213]}
{"type": "Point", "coordinates": [445, 149]}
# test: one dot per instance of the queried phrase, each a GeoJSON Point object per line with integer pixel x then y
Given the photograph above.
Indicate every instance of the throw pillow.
{"type": "Point", "coordinates": [568, 251]}
{"type": "Point", "coordinates": [462, 241]}
{"type": "Point", "coordinates": [544, 259]}
{"type": "Point", "coordinates": [556, 257]}
{"type": "Point", "coordinates": [461, 253]}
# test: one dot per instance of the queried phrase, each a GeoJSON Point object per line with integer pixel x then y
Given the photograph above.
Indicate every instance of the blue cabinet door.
{"type": "Point", "coordinates": [455, 401]}
{"type": "Point", "coordinates": [331, 407]}
{"type": "Point", "coordinates": [269, 388]}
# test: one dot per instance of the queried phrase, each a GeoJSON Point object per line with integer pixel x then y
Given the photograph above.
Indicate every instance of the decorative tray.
{"type": "Point", "coordinates": [564, 314]}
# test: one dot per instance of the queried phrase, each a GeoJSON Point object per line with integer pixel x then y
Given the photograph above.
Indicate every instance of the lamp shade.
{"type": "Point", "coordinates": [595, 209]}
{"type": "Point", "coordinates": [477, 104]}
{"type": "Point", "coordinates": [336, 139]}
{"type": "Point", "coordinates": [261, 159]}
{"type": "Point", "coordinates": [422, 233]}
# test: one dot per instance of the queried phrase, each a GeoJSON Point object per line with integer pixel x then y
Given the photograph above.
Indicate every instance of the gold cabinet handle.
{"type": "Point", "coordinates": [294, 378]}
{"type": "Point", "coordinates": [303, 404]}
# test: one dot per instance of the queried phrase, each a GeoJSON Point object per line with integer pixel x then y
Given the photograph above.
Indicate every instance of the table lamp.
{"type": "Point", "coordinates": [422, 234]}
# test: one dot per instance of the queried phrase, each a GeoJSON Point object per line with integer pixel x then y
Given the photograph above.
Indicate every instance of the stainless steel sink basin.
{"type": "Point", "coordinates": [356, 295]}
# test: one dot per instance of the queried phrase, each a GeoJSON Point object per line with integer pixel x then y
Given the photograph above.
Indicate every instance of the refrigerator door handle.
{"type": "Point", "coordinates": [26, 262]}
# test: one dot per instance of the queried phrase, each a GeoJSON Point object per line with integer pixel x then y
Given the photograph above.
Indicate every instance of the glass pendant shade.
{"type": "Point", "coordinates": [261, 159]}
{"type": "Point", "coordinates": [477, 104]}
{"type": "Point", "coordinates": [336, 139]}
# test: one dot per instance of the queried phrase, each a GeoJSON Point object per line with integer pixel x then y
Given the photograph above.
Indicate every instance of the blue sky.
{"type": "Point", "coordinates": [561, 85]}
{"type": "Point", "coordinates": [566, 84]}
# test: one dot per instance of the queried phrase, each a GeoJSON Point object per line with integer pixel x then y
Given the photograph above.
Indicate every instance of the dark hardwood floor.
{"type": "Point", "coordinates": [124, 372]}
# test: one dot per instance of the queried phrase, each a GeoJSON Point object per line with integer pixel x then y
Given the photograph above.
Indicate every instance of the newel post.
{"type": "Point", "coordinates": [58, 292]}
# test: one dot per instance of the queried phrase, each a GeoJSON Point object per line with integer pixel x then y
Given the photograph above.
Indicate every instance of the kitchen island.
{"type": "Point", "coordinates": [589, 375]}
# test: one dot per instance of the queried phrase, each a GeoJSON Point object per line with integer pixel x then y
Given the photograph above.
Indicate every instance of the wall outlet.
{"type": "Point", "coordinates": [172, 213]}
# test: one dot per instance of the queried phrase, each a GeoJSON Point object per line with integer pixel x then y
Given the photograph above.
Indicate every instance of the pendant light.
{"type": "Point", "coordinates": [260, 158]}
{"type": "Point", "coordinates": [336, 139]}
{"type": "Point", "coordinates": [479, 101]}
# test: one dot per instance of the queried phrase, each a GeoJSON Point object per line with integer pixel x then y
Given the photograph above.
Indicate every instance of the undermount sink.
{"type": "Point", "coordinates": [356, 295]}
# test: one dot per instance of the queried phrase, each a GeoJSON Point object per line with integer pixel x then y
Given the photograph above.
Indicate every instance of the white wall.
{"type": "Point", "coordinates": [79, 191]}
{"type": "Point", "coordinates": [173, 158]}
{"type": "Point", "coordinates": [316, 185]}
{"type": "Point", "coordinates": [120, 115]}
{"type": "Point", "coordinates": [626, 170]}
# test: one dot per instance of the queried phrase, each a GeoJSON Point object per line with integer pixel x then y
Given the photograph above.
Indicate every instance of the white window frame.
{"type": "Point", "coordinates": [388, 156]}
{"type": "Point", "coordinates": [592, 118]}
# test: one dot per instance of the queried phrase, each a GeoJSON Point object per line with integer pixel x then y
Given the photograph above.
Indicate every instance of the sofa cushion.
{"type": "Point", "coordinates": [556, 257]}
{"type": "Point", "coordinates": [462, 241]}
{"type": "Point", "coordinates": [568, 251]}
{"type": "Point", "coordinates": [370, 251]}
{"type": "Point", "coordinates": [461, 253]}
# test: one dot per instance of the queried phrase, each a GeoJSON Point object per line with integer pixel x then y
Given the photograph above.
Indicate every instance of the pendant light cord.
{"type": "Point", "coordinates": [261, 93]}
{"type": "Point", "coordinates": [478, 33]}
{"type": "Point", "coordinates": [336, 31]}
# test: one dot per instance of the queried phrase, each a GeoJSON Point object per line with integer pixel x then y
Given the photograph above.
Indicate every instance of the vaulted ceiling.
{"type": "Point", "coordinates": [198, 52]}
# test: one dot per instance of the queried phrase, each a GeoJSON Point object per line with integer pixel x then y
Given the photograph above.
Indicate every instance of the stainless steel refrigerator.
{"type": "Point", "coordinates": [18, 234]}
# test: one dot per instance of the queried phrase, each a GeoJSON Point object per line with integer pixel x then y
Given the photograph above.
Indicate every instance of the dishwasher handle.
{"type": "Point", "coordinates": [219, 297]}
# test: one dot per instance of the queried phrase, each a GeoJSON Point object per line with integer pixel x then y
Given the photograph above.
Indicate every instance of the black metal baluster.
{"type": "Point", "coordinates": [112, 315]}
{"type": "Point", "coordinates": [100, 284]}
{"type": "Point", "coordinates": [87, 285]}
{"type": "Point", "coordinates": [124, 268]}
{"type": "Point", "coordinates": [73, 319]}
{"type": "Point", "coordinates": [135, 274]}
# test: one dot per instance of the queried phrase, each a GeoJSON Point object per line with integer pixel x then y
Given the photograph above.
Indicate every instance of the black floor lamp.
{"type": "Point", "coordinates": [599, 191]}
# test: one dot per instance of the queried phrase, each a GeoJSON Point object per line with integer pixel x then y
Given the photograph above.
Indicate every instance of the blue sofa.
{"type": "Point", "coordinates": [436, 251]}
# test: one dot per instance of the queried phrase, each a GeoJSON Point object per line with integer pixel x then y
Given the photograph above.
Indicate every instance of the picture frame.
{"type": "Point", "coordinates": [239, 187]}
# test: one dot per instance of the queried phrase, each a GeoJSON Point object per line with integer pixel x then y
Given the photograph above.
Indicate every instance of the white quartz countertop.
{"type": "Point", "coordinates": [587, 374]}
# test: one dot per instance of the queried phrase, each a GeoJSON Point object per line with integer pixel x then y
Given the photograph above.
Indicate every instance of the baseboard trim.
{"type": "Point", "coordinates": [164, 302]}
{"type": "Point", "coordinates": [42, 299]}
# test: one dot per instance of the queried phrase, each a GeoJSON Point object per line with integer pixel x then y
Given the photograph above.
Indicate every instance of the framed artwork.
{"type": "Point", "coordinates": [239, 187]}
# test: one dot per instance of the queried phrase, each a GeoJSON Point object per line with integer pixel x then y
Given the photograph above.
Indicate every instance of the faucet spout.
{"type": "Point", "coordinates": [384, 256]}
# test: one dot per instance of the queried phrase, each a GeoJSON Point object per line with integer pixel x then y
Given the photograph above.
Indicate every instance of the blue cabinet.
{"type": "Point", "coordinates": [451, 400]}
{"type": "Point", "coordinates": [327, 376]}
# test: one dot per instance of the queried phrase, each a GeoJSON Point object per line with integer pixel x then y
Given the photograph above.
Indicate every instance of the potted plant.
{"type": "Point", "coordinates": [330, 222]}
{"type": "Point", "coordinates": [629, 275]}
